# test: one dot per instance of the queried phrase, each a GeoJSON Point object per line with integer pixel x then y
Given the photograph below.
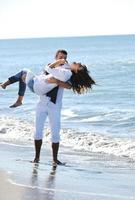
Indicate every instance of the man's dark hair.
{"type": "Point", "coordinates": [61, 51]}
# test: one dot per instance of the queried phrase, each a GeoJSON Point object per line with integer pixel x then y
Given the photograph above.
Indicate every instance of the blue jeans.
{"type": "Point", "coordinates": [30, 84]}
{"type": "Point", "coordinates": [18, 78]}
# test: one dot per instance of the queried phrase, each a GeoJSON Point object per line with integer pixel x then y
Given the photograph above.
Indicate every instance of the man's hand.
{"type": "Point", "coordinates": [52, 80]}
{"type": "Point", "coordinates": [65, 85]}
{"type": "Point", "coordinates": [60, 83]}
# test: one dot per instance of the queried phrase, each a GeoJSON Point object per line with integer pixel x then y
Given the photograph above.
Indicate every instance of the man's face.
{"type": "Point", "coordinates": [61, 56]}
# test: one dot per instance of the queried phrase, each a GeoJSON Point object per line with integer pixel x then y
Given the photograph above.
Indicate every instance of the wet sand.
{"type": "Point", "coordinates": [8, 190]}
{"type": "Point", "coordinates": [85, 177]}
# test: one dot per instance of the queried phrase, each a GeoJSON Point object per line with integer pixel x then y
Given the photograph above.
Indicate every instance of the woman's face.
{"type": "Point", "coordinates": [75, 67]}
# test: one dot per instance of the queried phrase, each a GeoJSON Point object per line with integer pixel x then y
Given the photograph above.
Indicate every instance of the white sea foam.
{"type": "Point", "coordinates": [12, 129]}
{"type": "Point", "coordinates": [94, 142]}
{"type": "Point", "coordinates": [17, 130]}
{"type": "Point", "coordinates": [67, 113]}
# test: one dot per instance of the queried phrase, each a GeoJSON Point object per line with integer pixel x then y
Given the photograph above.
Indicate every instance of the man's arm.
{"type": "Point", "coordinates": [59, 73]}
{"type": "Point", "coordinates": [65, 85]}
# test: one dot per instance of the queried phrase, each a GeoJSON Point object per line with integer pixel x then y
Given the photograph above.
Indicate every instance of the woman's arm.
{"type": "Point", "coordinates": [57, 63]}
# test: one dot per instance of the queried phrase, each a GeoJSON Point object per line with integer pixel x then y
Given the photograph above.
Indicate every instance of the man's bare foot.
{"type": "Point", "coordinates": [3, 85]}
{"type": "Point", "coordinates": [53, 172]}
{"type": "Point", "coordinates": [55, 163]}
{"type": "Point", "coordinates": [36, 160]}
{"type": "Point", "coordinates": [16, 105]}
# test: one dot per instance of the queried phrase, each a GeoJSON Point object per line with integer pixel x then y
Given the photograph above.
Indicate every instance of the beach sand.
{"type": "Point", "coordinates": [85, 176]}
{"type": "Point", "coordinates": [8, 190]}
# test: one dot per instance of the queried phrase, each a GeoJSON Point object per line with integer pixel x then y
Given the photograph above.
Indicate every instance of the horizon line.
{"type": "Point", "coordinates": [77, 36]}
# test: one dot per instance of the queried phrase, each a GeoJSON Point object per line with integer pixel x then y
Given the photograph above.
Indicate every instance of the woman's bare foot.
{"type": "Point", "coordinates": [18, 102]}
{"type": "Point", "coordinates": [3, 85]}
{"type": "Point", "coordinates": [16, 105]}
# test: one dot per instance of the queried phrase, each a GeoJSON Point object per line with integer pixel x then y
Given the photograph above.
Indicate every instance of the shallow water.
{"type": "Point", "coordinates": [107, 111]}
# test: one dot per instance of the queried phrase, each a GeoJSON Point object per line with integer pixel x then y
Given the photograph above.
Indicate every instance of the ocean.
{"type": "Point", "coordinates": [102, 120]}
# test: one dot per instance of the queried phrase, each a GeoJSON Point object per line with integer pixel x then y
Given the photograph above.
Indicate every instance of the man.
{"type": "Point", "coordinates": [50, 106]}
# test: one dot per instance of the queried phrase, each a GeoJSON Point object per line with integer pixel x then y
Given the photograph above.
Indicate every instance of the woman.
{"type": "Point", "coordinates": [78, 77]}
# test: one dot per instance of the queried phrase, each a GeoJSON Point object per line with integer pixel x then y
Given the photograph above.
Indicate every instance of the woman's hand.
{"type": "Point", "coordinates": [57, 63]}
{"type": "Point", "coordinates": [61, 61]}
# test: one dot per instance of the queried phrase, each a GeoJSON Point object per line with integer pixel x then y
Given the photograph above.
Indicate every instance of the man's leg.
{"type": "Point", "coordinates": [55, 149]}
{"type": "Point", "coordinates": [54, 114]}
{"type": "Point", "coordinates": [41, 115]}
{"type": "Point", "coordinates": [38, 144]}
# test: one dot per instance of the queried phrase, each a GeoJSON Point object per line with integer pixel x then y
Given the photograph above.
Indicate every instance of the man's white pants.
{"type": "Point", "coordinates": [53, 112]}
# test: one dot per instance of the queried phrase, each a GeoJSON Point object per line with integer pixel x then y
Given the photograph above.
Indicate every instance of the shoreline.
{"type": "Point", "coordinates": [14, 191]}
{"type": "Point", "coordinates": [84, 177]}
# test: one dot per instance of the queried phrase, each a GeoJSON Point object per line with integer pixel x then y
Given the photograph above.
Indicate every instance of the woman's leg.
{"type": "Point", "coordinates": [19, 77]}
{"type": "Point", "coordinates": [41, 85]}
{"type": "Point", "coordinates": [18, 102]}
{"type": "Point", "coordinates": [5, 84]}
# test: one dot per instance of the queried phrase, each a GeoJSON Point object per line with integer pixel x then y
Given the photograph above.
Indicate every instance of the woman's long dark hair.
{"type": "Point", "coordinates": [81, 81]}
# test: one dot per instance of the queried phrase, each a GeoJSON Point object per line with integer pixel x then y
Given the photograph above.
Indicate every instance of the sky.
{"type": "Point", "coordinates": [56, 18]}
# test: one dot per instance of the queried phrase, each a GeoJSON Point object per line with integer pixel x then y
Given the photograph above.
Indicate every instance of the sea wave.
{"type": "Point", "coordinates": [18, 130]}
{"type": "Point", "coordinates": [115, 62]}
{"type": "Point", "coordinates": [14, 129]}
{"type": "Point", "coordinates": [68, 113]}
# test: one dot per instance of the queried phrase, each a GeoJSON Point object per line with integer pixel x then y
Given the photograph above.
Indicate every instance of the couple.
{"type": "Point", "coordinates": [49, 86]}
